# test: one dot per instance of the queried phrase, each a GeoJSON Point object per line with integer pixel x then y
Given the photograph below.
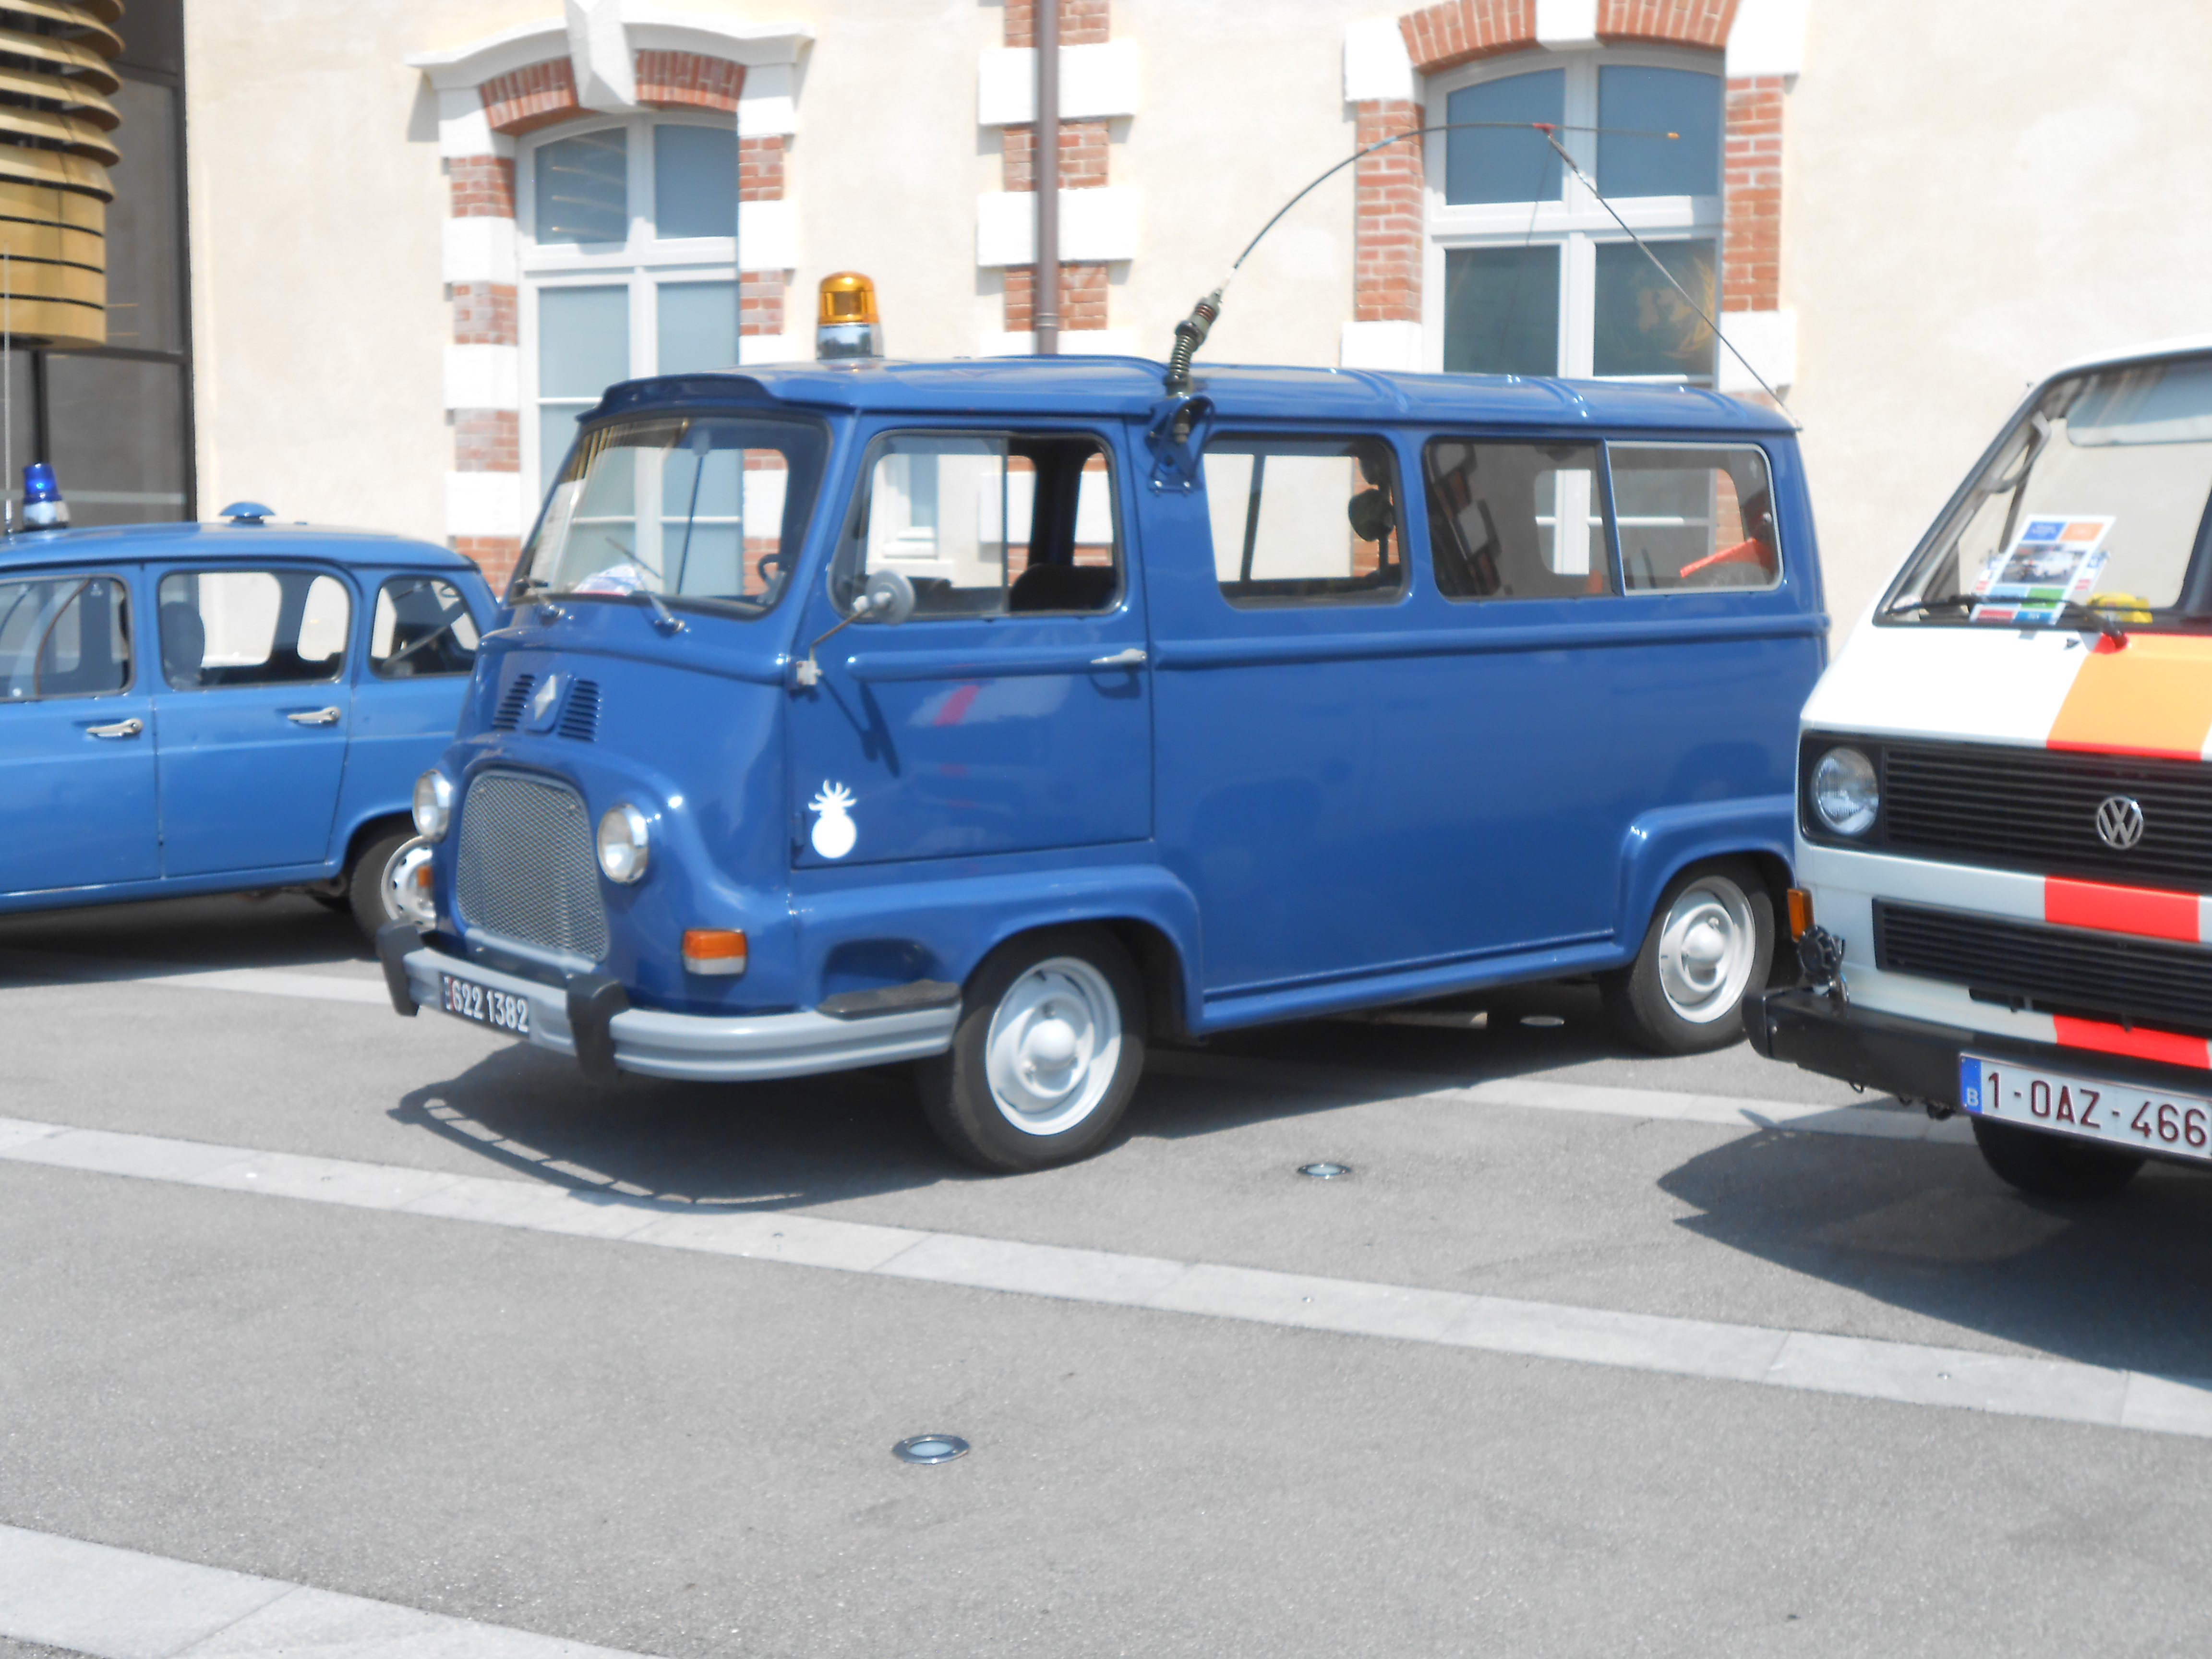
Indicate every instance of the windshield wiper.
{"type": "Point", "coordinates": [2103, 621]}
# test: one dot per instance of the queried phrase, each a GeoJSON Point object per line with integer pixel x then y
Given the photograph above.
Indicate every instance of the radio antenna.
{"type": "Point", "coordinates": [1191, 332]}
{"type": "Point", "coordinates": [7, 397]}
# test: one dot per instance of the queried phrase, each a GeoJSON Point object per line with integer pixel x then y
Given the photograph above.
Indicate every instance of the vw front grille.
{"type": "Point", "coordinates": [526, 868]}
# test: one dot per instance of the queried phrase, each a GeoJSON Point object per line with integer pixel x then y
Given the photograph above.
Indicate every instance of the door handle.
{"type": "Point", "coordinates": [1129, 659]}
{"type": "Point", "coordinates": [314, 717]}
{"type": "Point", "coordinates": [129, 728]}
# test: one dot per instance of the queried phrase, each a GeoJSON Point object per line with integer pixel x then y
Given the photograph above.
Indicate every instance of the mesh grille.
{"type": "Point", "coordinates": [2056, 970]}
{"type": "Point", "coordinates": [510, 705]}
{"type": "Point", "coordinates": [526, 867]}
{"type": "Point", "coordinates": [580, 718]}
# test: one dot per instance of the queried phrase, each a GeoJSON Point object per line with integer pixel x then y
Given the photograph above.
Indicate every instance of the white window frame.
{"type": "Point", "coordinates": [642, 264]}
{"type": "Point", "coordinates": [1577, 221]}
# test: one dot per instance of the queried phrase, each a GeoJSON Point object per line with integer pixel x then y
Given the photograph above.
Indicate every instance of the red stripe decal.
{"type": "Point", "coordinates": [2139, 1043]}
{"type": "Point", "coordinates": [2120, 910]}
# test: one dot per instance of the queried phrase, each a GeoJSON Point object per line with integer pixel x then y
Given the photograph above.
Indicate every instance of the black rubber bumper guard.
{"type": "Point", "coordinates": [594, 1000]}
{"type": "Point", "coordinates": [1918, 1059]}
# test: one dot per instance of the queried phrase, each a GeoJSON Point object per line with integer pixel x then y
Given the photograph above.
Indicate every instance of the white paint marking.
{"type": "Point", "coordinates": [2021, 1386]}
{"type": "Point", "coordinates": [122, 1604]}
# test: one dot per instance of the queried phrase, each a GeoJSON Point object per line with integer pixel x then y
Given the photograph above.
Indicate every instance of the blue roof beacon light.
{"type": "Point", "coordinates": [43, 506]}
{"type": "Point", "coordinates": [248, 513]}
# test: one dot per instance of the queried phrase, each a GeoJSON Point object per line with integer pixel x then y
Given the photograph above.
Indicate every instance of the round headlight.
{"type": "Point", "coordinates": [1845, 792]}
{"type": "Point", "coordinates": [623, 837]}
{"type": "Point", "coordinates": [433, 805]}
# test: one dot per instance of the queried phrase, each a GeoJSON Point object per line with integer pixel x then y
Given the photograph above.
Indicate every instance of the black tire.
{"type": "Point", "coordinates": [365, 882]}
{"type": "Point", "coordinates": [1643, 1008]}
{"type": "Point", "coordinates": [2052, 1166]}
{"type": "Point", "coordinates": [958, 1095]}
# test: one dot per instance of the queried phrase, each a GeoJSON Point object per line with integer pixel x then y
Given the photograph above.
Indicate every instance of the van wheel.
{"type": "Point", "coordinates": [2052, 1166]}
{"type": "Point", "coordinates": [1046, 1055]}
{"type": "Point", "coordinates": [371, 894]}
{"type": "Point", "coordinates": [1711, 942]}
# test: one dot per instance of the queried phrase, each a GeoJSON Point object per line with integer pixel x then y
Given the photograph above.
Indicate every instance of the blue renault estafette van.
{"type": "Point", "coordinates": [999, 716]}
{"type": "Point", "coordinates": [220, 708]}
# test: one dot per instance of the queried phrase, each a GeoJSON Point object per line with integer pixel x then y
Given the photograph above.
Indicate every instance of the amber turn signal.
{"type": "Point", "coordinates": [713, 951]}
{"type": "Point", "coordinates": [1801, 912]}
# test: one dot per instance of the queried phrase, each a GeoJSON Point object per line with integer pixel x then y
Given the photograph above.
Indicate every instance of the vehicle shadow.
{"type": "Point", "coordinates": [229, 930]}
{"type": "Point", "coordinates": [1925, 1227]}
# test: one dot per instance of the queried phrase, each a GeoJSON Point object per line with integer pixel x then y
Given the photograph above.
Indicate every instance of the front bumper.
{"type": "Point", "coordinates": [580, 1020]}
{"type": "Point", "coordinates": [1918, 1059]}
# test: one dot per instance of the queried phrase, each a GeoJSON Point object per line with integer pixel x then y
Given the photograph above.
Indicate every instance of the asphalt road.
{"type": "Point", "coordinates": [681, 1453]}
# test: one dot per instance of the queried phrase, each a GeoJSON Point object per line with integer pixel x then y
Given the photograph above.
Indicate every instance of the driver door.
{"type": "Point", "coordinates": [1012, 711]}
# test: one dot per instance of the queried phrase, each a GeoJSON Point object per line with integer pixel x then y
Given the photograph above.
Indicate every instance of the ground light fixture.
{"type": "Point", "coordinates": [930, 1448]}
{"type": "Point", "coordinates": [1324, 1171]}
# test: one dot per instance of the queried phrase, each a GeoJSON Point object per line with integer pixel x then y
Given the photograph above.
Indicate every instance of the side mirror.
{"type": "Point", "coordinates": [888, 599]}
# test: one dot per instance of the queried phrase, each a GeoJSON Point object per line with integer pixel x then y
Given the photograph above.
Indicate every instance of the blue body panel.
{"type": "Point", "coordinates": [222, 791]}
{"type": "Point", "coordinates": [1294, 809]}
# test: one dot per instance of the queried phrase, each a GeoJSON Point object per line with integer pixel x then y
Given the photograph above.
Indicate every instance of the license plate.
{"type": "Point", "coordinates": [2093, 1109]}
{"type": "Point", "coordinates": [479, 1003]}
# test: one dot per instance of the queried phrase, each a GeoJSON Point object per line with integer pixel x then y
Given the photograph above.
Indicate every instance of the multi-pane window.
{"type": "Point", "coordinates": [630, 266]}
{"type": "Point", "coordinates": [1303, 521]}
{"type": "Point", "coordinates": [1529, 273]}
{"type": "Point", "coordinates": [1516, 521]}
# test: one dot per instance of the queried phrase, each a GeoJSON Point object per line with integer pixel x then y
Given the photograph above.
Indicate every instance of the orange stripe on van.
{"type": "Point", "coordinates": [2154, 697]}
{"type": "Point", "coordinates": [2137, 910]}
{"type": "Point", "coordinates": [2139, 1043]}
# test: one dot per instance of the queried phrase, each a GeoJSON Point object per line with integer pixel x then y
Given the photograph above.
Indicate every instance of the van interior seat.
{"type": "Point", "coordinates": [1063, 588]}
{"type": "Point", "coordinates": [184, 642]}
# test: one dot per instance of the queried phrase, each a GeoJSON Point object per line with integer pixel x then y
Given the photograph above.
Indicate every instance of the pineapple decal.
{"type": "Point", "coordinates": [833, 831]}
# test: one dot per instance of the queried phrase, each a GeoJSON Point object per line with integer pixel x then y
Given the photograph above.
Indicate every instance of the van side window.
{"type": "Point", "coordinates": [421, 627]}
{"type": "Point", "coordinates": [1694, 517]}
{"type": "Point", "coordinates": [986, 524]}
{"type": "Point", "coordinates": [64, 636]}
{"type": "Point", "coordinates": [1303, 521]}
{"type": "Point", "coordinates": [252, 628]}
{"type": "Point", "coordinates": [1516, 520]}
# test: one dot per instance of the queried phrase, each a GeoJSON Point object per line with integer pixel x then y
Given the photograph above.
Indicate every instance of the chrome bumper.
{"type": "Point", "coordinates": [699, 1048]}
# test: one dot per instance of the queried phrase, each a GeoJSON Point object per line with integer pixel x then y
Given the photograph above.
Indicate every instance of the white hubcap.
{"type": "Point", "coordinates": [1705, 950]}
{"type": "Point", "coordinates": [1053, 1046]}
{"type": "Point", "coordinates": [404, 899]}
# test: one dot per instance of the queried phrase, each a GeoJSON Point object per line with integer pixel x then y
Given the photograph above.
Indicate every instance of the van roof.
{"type": "Point", "coordinates": [1132, 386]}
{"type": "Point", "coordinates": [224, 542]}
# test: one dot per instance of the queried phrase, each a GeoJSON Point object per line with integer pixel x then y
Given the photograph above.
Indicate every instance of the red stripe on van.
{"type": "Point", "coordinates": [2139, 1043]}
{"type": "Point", "coordinates": [2139, 911]}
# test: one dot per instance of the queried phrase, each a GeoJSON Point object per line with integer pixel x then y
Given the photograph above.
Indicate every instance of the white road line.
{"type": "Point", "coordinates": [1534, 1093]}
{"type": "Point", "coordinates": [2058, 1389]}
{"type": "Point", "coordinates": [120, 1604]}
{"type": "Point", "coordinates": [1548, 1094]}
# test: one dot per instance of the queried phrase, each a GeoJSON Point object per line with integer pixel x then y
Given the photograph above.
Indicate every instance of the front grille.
{"type": "Point", "coordinates": [526, 869]}
{"type": "Point", "coordinates": [2033, 809]}
{"type": "Point", "coordinates": [2056, 970]}
{"type": "Point", "coordinates": [579, 719]}
{"type": "Point", "coordinates": [509, 713]}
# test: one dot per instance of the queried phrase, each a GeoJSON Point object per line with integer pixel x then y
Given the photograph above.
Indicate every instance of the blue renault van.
{"type": "Point", "coordinates": [1002, 716]}
{"type": "Point", "coordinates": [220, 708]}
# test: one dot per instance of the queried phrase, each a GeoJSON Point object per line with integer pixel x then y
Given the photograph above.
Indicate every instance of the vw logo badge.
{"type": "Point", "coordinates": [2119, 822]}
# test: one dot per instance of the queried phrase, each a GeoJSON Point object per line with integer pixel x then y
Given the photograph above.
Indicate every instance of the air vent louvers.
{"type": "Point", "coordinates": [509, 713]}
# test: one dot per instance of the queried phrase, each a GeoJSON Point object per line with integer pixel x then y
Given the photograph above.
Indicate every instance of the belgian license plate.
{"type": "Point", "coordinates": [500, 1009]}
{"type": "Point", "coordinates": [2117, 1114]}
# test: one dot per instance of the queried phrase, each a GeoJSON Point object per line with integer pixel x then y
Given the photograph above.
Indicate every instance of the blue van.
{"type": "Point", "coordinates": [222, 707]}
{"type": "Point", "coordinates": [1001, 716]}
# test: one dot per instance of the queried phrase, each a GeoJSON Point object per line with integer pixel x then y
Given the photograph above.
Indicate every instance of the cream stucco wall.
{"type": "Point", "coordinates": [1976, 191]}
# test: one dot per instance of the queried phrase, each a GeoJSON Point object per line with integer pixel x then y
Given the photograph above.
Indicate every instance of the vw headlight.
{"type": "Point", "coordinates": [622, 838]}
{"type": "Point", "coordinates": [433, 805]}
{"type": "Point", "coordinates": [1845, 792]}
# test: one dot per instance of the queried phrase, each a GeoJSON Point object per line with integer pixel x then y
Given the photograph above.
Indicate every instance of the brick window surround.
{"type": "Point", "coordinates": [526, 100]}
{"type": "Point", "coordinates": [1390, 183]}
{"type": "Point", "coordinates": [1082, 167]}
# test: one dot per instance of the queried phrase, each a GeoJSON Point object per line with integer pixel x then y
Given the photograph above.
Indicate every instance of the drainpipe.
{"type": "Point", "coordinates": [1045, 291]}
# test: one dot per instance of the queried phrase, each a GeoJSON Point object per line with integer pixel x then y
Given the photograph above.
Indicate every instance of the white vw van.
{"type": "Point", "coordinates": [2004, 803]}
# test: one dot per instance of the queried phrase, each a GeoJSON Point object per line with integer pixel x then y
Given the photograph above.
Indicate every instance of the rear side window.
{"type": "Point", "coordinates": [1516, 520]}
{"type": "Point", "coordinates": [252, 628]}
{"type": "Point", "coordinates": [1694, 517]}
{"type": "Point", "coordinates": [64, 636]}
{"type": "Point", "coordinates": [1304, 520]}
{"type": "Point", "coordinates": [988, 524]}
{"type": "Point", "coordinates": [421, 627]}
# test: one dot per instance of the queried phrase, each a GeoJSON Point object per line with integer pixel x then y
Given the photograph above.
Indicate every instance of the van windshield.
{"type": "Point", "coordinates": [706, 510]}
{"type": "Point", "coordinates": [2095, 499]}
